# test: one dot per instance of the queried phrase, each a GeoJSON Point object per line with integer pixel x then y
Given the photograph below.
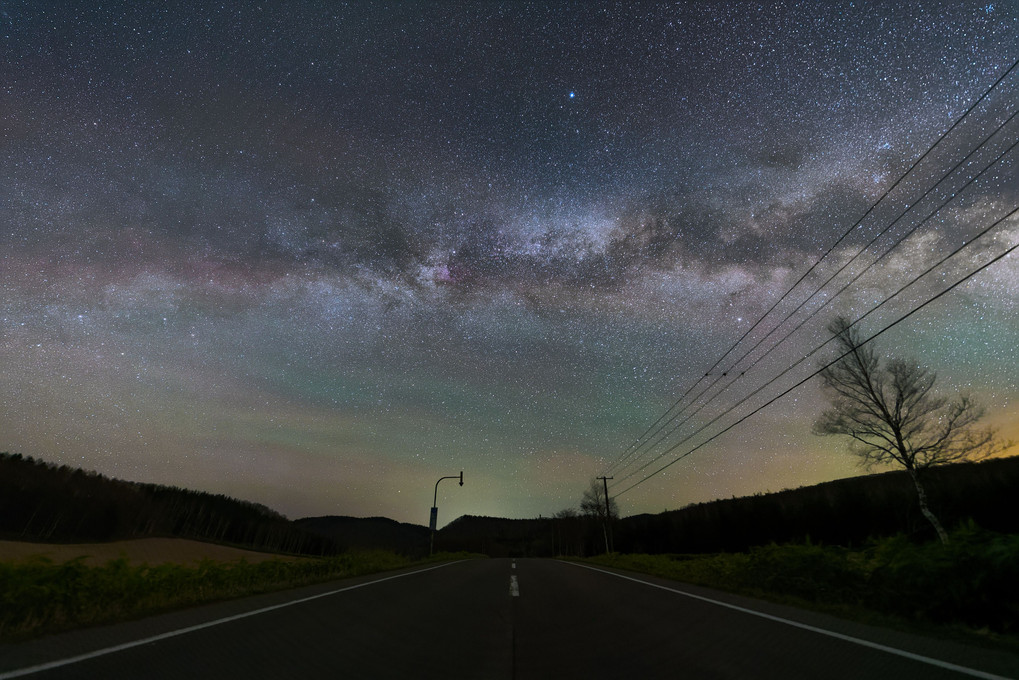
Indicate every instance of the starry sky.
{"type": "Point", "coordinates": [317, 255]}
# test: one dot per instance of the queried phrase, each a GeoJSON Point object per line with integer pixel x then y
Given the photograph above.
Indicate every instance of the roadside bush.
{"type": "Point", "coordinates": [812, 572]}
{"type": "Point", "coordinates": [39, 596]}
{"type": "Point", "coordinates": [973, 580]}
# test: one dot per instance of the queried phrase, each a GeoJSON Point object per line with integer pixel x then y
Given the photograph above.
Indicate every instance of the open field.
{"type": "Point", "coordinates": [39, 595]}
{"type": "Point", "coordinates": [136, 551]}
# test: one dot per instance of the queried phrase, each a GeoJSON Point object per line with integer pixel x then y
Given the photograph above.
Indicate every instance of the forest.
{"type": "Point", "coordinates": [40, 501]}
{"type": "Point", "coordinates": [845, 512]}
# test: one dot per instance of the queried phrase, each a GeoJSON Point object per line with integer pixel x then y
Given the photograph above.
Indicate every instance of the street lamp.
{"type": "Point", "coordinates": [435, 510]}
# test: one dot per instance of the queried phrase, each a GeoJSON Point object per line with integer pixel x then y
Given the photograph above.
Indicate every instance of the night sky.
{"type": "Point", "coordinates": [317, 255]}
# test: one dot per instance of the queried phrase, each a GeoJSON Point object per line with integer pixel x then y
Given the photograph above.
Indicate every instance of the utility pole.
{"type": "Point", "coordinates": [435, 510]}
{"type": "Point", "coordinates": [552, 522]}
{"type": "Point", "coordinates": [608, 512]}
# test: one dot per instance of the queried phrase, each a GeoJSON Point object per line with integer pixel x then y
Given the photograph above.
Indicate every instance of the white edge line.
{"type": "Point", "coordinates": [848, 638]}
{"type": "Point", "coordinates": [17, 673]}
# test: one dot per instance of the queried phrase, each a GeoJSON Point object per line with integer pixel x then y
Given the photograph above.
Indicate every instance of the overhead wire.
{"type": "Point", "coordinates": [833, 297]}
{"type": "Point", "coordinates": [909, 208]}
{"type": "Point", "coordinates": [807, 356]}
{"type": "Point", "coordinates": [888, 250]}
{"type": "Point", "coordinates": [642, 440]}
{"type": "Point", "coordinates": [658, 440]}
{"type": "Point", "coordinates": [834, 361]}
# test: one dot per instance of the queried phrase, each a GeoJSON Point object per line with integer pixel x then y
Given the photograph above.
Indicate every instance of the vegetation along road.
{"type": "Point", "coordinates": [498, 618]}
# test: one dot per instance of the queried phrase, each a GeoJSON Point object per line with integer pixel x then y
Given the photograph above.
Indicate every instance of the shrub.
{"type": "Point", "coordinates": [971, 580]}
{"type": "Point", "coordinates": [38, 596]}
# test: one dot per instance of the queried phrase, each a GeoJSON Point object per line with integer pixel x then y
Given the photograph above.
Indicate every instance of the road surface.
{"type": "Point", "coordinates": [498, 618]}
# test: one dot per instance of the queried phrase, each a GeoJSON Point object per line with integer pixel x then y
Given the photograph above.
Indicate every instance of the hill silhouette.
{"type": "Point", "coordinates": [41, 501]}
{"type": "Point", "coordinates": [842, 512]}
{"type": "Point", "coordinates": [370, 532]}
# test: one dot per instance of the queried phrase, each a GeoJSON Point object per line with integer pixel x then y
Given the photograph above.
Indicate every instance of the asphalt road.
{"type": "Point", "coordinates": [498, 619]}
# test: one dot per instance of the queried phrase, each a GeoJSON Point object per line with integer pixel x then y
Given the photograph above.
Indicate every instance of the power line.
{"type": "Point", "coordinates": [890, 248]}
{"type": "Point", "coordinates": [882, 233]}
{"type": "Point", "coordinates": [636, 445]}
{"type": "Point", "coordinates": [976, 238]}
{"type": "Point", "coordinates": [836, 360]}
{"type": "Point", "coordinates": [759, 342]}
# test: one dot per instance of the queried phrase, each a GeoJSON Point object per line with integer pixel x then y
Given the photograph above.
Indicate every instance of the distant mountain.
{"type": "Point", "coordinates": [370, 532]}
{"type": "Point", "coordinates": [500, 537]}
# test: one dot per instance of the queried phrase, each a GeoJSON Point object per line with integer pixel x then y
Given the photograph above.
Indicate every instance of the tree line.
{"type": "Point", "coordinates": [41, 501]}
{"type": "Point", "coordinates": [845, 512]}
{"type": "Point", "coordinates": [891, 415]}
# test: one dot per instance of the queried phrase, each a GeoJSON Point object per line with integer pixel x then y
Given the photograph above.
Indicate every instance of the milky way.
{"type": "Point", "coordinates": [318, 256]}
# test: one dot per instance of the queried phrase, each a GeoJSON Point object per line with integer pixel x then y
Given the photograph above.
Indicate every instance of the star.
{"type": "Point", "coordinates": [306, 264]}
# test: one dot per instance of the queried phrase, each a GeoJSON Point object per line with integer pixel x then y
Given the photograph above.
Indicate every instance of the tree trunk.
{"type": "Point", "coordinates": [931, 517]}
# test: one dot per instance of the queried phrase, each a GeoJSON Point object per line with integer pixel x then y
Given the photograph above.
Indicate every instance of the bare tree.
{"type": "Point", "coordinates": [892, 416]}
{"type": "Point", "coordinates": [592, 503]}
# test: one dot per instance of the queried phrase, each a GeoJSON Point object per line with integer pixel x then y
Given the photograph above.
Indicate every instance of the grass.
{"type": "Point", "coordinates": [39, 596]}
{"type": "Point", "coordinates": [970, 585]}
{"type": "Point", "coordinates": [152, 550]}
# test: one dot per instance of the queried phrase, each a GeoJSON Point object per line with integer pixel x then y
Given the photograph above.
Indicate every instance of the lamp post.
{"type": "Point", "coordinates": [435, 509]}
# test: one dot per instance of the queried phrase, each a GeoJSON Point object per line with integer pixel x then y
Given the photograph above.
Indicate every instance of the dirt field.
{"type": "Point", "coordinates": [150, 550]}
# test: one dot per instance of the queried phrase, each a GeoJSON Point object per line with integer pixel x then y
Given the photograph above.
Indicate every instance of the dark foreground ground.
{"type": "Point", "coordinates": [498, 619]}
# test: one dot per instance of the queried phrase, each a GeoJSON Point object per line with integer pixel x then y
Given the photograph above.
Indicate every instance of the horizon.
{"type": "Point", "coordinates": [319, 257]}
{"type": "Point", "coordinates": [542, 516]}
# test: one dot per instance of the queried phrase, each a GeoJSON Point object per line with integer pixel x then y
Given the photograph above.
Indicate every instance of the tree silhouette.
{"type": "Point", "coordinates": [44, 501]}
{"type": "Point", "coordinates": [893, 417]}
{"type": "Point", "coordinates": [593, 505]}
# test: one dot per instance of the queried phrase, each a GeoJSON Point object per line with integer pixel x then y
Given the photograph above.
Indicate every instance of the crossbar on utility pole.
{"type": "Point", "coordinates": [435, 510]}
{"type": "Point", "coordinates": [608, 512]}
